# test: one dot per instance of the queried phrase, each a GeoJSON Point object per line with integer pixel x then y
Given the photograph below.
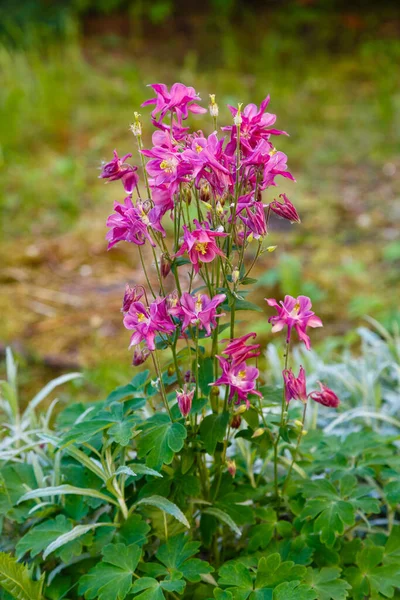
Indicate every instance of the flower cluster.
{"type": "Point", "coordinates": [210, 189]}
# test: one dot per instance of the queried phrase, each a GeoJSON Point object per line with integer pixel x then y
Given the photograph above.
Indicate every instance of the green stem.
{"type": "Point", "coordinates": [145, 272]}
{"type": "Point", "coordinates": [161, 383]}
{"type": "Point", "coordinates": [295, 450]}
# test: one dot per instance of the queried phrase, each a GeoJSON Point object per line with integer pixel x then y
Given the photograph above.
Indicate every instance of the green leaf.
{"type": "Point", "coordinates": [224, 517]}
{"type": "Point", "coordinates": [294, 590]}
{"type": "Point", "coordinates": [332, 517]}
{"type": "Point", "coordinates": [238, 578]}
{"type": "Point", "coordinates": [133, 531]}
{"type": "Point", "coordinates": [212, 430]}
{"type": "Point", "coordinates": [160, 440]}
{"type": "Point", "coordinates": [15, 578]}
{"type": "Point", "coordinates": [38, 538]}
{"type": "Point", "coordinates": [177, 553]}
{"type": "Point", "coordinates": [271, 571]}
{"type": "Point", "coordinates": [166, 506]}
{"type": "Point", "coordinates": [111, 579]}
{"type": "Point", "coordinates": [140, 469]}
{"type": "Point", "coordinates": [154, 589]}
{"type": "Point", "coordinates": [72, 535]}
{"type": "Point", "coordinates": [222, 594]}
{"type": "Point", "coordinates": [48, 389]}
{"type": "Point", "coordinates": [392, 492]}
{"type": "Point", "coordinates": [327, 584]}
{"type": "Point", "coordinates": [65, 490]}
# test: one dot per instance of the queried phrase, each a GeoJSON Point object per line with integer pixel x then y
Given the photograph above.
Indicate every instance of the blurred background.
{"type": "Point", "coordinates": [72, 74]}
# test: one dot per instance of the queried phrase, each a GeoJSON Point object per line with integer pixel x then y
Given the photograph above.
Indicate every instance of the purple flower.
{"type": "Point", "coordinates": [166, 167]}
{"type": "Point", "coordinates": [238, 351]}
{"type": "Point", "coordinates": [325, 396]}
{"type": "Point", "coordinates": [117, 169]}
{"type": "Point", "coordinates": [285, 209]}
{"type": "Point", "coordinates": [294, 313]}
{"type": "Point", "coordinates": [255, 126]}
{"type": "Point", "coordinates": [185, 399]}
{"type": "Point", "coordinates": [179, 100]}
{"type": "Point", "coordinates": [208, 161]}
{"type": "Point", "coordinates": [255, 221]}
{"type": "Point", "coordinates": [295, 387]}
{"type": "Point", "coordinates": [200, 310]}
{"type": "Point", "coordinates": [200, 244]}
{"type": "Point", "coordinates": [240, 378]}
{"type": "Point", "coordinates": [131, 223]}
{"type": "Point", "coordinates": [147, 323]}
{"type": "Point", "coordinates": [140, 356]}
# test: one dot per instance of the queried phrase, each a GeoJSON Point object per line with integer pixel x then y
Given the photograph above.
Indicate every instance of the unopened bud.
{"type": "Point", "coordinates": [205, 193]}
{"type": "Point", "coordinates": [185, 398]}
{"type": "Point", "coordinates": [171, 371]}
{"type": "Point", "coordinates": [187, 195]}
{"type": "Point", "coordinates": [214, 391]}
{"type": "Point", "coordinates": [136, 127]}
{"type": "Point", "coordinates": [231, 465]}
{"type": "Point", "coordinates": [235, 275]}
{"type": "Point", "coordinates": [250, 237]}
{"type": "Point", "coordinates": [213, 106]}
{"type": "Point", "coordinates": [131, 295]}
{"type": "Point", "coordinates": [271, 248]}
{"type": "Point", "coordinates": [219, 209]}
{"type": "Point", "coordinates": [236, 421]}
{"type": "Point", "coordinates": [140, 356]}
{"type": "Point", "coordinates": [304, 432]}
{"type": "Point", "coordinates": [298, 423]}
{"type": "Point", "coordinates": [242, 409]}
{"type": "Point", "coordinates": [258, 432]}
{"type": "Point", "coordinates": [237, 119]}
{"type": "Point", "coordinates": [165, 265]}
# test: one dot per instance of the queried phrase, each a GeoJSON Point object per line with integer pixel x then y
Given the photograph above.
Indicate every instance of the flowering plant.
{"type": "Point", "coordinates": [201, 456]}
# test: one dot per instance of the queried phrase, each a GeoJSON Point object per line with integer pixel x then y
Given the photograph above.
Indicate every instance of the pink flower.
{"type": "Point", "coordinates": [294, 313]}
{"type": "Point", "coordinates": [180, 100]}
{"type": "Point", "coordinates": [131, 223]}
{"type": "Point", "coordinates": [185, 399]}
{"type": "Point", "coordinates": [240, 378]}
{"type": "Point", "coordinates": [131, 295]}
{"type": "Point", "coordinates": [116, 169]}
{"type": "Point", "coordinates": [255, 126]}
{"type": "Point", "coordinates": [325, 396]}
{"type": "Point", "coordinates": [200, 244]}
{"type": "Point", "coordinates": [166, 167]}
{"type": "Point", "coordinates": [200, 311]}
{"type": "Point", "coordinates": [140, 356]}
{"type": "Point", "coordinates": [208, 161]}
{"type": "Point", "coordinates": [147, 323]}
{"type": "Point", "coordinates": [285, 209]}
{"type": "Point", "coordinates": [295, 387]}
{"type": "Point", "coordinates": [238, 352]}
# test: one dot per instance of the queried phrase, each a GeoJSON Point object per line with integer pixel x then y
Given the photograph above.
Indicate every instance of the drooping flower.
{"type": "Point", "coordinates": [285, 209]}
{"type": "Point", "coordinates": [185, 399]}
{"type": "Point", "coordinates": [255, 221]}
{"type": "Point", "coordinates": [131, 223]}
{"type": "Point", "coordinates": [146, 323]}
{"type": "Point", "coordinates": [294, 313]}
{"type": "Point", "coordinates": [132, 294]}
{"type": "Point", "coordinates": [200, 311]}
{"type": "Point", "coordinates": [118, 169]}
{"type": "Point", "coordinates": [238, 351]}
{"type": "Point", "coordinates": [240, 378]}
{"type": "Point", "coordinates": [231, 466]}
{"type": "Point", "coordinates": [180, 100]}
{"type": "Point", "coordinates": [200, 244]}
{"type": "Point", "coordinates": [140, 356]}
{"type": "Point", "coordinates": [295, 387]}
{"type": "Point", "coordinates": [325, 396]}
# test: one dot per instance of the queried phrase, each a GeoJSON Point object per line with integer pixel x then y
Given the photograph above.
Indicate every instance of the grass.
{"type": "Point", "coordinates": [66, 104]}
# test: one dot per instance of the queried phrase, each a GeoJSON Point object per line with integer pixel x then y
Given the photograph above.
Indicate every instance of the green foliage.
{"type": "Point", "coordinates": [17, 580]}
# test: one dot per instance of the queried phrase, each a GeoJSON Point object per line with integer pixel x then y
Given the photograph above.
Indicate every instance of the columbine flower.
{"type": "Point", "coordinates": [294, 313]}
{"type": "Point", "coordinates": [166, 166]}
{"type": "Point", "coordinates": [208, 160]}
{"type": "Point", "coordinates": [255, 221]}
{"type": "Point", "coordinates": [238, 352]}
{"type": "Point", "coordinates": [285, 209]}
{"type": "Point", "coordinates": [140, 356]}
{"type": "Point", "coordinates": [231, 466]}
{"type": "Point", "coordinates": [295, 387]}
{"type": "Point", "coordinates": [240, 378]}
{"type": "Point", "coordinates": [325, 396]}
{"type": "Point", "coordinates": [200, 310]}
{"type": "Point", "coordinates": [185, 399]}
{"type": "Point", "coordinates": [147, 323]}
{"type": "Point", "coordinates": [179, 100]}
{"type": "Point", "coordinates": [132, 223]}
{"type": "Point", "coordinates": [200, 244]}
{"type": "Point", "coordinates": [117, 169]}
{"type": "Point", "coordinates": [131, 295]}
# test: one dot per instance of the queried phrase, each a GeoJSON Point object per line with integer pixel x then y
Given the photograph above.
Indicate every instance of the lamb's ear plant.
{"type": "Point", "coordinates": [196, 479]}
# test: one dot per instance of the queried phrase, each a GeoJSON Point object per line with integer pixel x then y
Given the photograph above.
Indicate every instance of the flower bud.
{"type": "Point", "coordinates": [236, 421]}
{"type": "Point", "coordinates": [271, 248]}
{"type": "Point", "coordinates": [258, 432]}
{"type": "Point", "coordinates": [140, 356]}
{"type": "Point", "coordinates": [213, 106]}
{"type": "Point", "coordinates": [185, 401]}
{"type": "Point", "coordinates": [235, 275]}
{"type": "Point", "coordinates": [242, 409]}
{"type": "Point", "coordinates": [187, 195]}
{"type": "Point", "coordinates": [165, 265]}
{"type": "Point", "coordinates": [205, 193]}
{"type": "Point", "coordinates": [189, 377]}
{"type": "Point", "coordinates": [298, 423]}
{"type": "Point", "coordinates": [170, 371]}
{"type": "Point", "coordinates": [219, 209]}
{"type": "Point", "coordinates": [214, 391]}
{"type": "Point", "coordinates": [136, 127]}
{"type": "Point", "coordinates": [231, 465]}
{"type": "Point", "coordinates": [237, 119]}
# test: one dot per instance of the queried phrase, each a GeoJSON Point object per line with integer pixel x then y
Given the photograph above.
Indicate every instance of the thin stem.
{"type": "Point", "coordinates": [156, 363]}
{"type": "Point", "coordinates": [145, 272]}
{"type": "Point", "coordinates": [296, 449]}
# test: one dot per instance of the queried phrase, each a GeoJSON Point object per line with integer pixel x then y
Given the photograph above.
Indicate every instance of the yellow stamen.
{"type": "Point", "coordinates": [141, 317]}
{"type": "Point", "coordinates": [201, 247]}
{"type": "Point", "coordinates": [199, 149]}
